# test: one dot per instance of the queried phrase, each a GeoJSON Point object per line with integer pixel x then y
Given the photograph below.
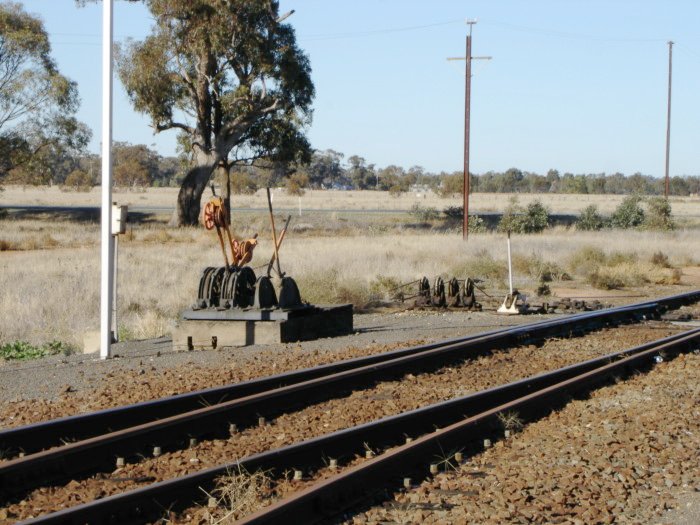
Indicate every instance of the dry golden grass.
{"type": "Point", "coordinates": [333, 200]}
{"type": "Point", "coordinates": [51, 288]}
{"type": "Point", "coordinates": [240, 493]}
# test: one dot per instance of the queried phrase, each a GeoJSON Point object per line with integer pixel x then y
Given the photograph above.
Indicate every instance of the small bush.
{"type": "Point", "coordinates": [22, 350]}
{"type": "Point", "coordinates": [626, 274]}
{"type": "Point", "coordinates": [79, 180]}
{"type": "Point", "coordinates": [586, 260]}
{"type": "Point", "coordinates": [535, 267]}
{"type": "Point", "coordinates": [543, 289]}
{"type": "Point", "coordinates": [660, 259]}
{"type": "Point", "coordinates": [477, 224]}
{"type": "Point", "coordinates": [383, 286]}
{"type": "Point", "coordinates": [658, 215]}
{"type": "Point", "coordinates": [424, 214]}
{"type": "Point", "coordinates": [629, 214]}
{"type": "Point", "coordinates": [590, 219]}
{"type": "Point", "coordinates": [7, 246]}
{"type": "Point", "coordinates": [456, 213]}
{"type": "Point", "coordinates": [605, 281]}
{"type": "Point", "coordinates": [536, 217]}
{"type": "Point", "coordinates": [617, 258]}
{"type": "Point", "coordinates": [396, 191]}
{"type": "Point", "coordinates": [296, 183]}
{"type": "Point", "coordinates": [532, 219]}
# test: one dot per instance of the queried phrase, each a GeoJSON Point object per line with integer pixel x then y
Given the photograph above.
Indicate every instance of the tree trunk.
{"type": "Point", "coordinates": [190, 195]}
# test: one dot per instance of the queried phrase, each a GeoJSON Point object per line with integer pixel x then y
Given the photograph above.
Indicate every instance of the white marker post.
{"type": "Point", "coordinates": [107, 241]}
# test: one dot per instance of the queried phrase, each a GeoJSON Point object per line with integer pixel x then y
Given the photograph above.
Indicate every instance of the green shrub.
{"type": "Point", "coordinates": [22, 350]}
{"type": "Point", "coordinates": [629, 214]}
{"type": "Point", "coordinates": [532, 219]}
{"type": "Point", "coordinates": [477, 224]}
{"type": "Point", "coordinates": [424, 214]}
{"type": "Point", "coordinates": [536, 217]}
{"type": "Point", "coordinates": [456, 213]}
{"type": "Point", "coordinates": [658, 215]}
{"type": "Point", "coordinates": [590, 219]}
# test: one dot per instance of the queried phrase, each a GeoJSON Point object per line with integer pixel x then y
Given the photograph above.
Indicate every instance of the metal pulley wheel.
{"type": "Point", "coordinates": [424, 288]}
{"type": "Point", "coordinates": [215, 287]}
{"type": "Point", "coordinates": [227, 287]}
{"type": "Point", "coordinates": [209, 293]}
{"type": "Point", "coordinates": [289, 293]}
{"type": "Point", "coordinates": [243, 288]}
{"type": "Point", "coordinates": [468, 297]}
{"type": "Point", "coordinates": [453, 292]}
{"type": "Point", "coordinates": [202, 292]}
{"type": "Point", "coordinates": [439, 292]}
{"type": "Point", "coordinates": [265, 296]}
{"type": "Point", "coordinates": [214, 214]}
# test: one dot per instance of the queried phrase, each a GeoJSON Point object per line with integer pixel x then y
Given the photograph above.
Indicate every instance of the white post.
{"type": "Point", "coordinates": [107, 241]}
{"type": "Point", "coordinates": [115, 326]}
{"type": "Point", "coordinates": [299, 206]}
{"type": "Point", "coordinates": [510, 267]}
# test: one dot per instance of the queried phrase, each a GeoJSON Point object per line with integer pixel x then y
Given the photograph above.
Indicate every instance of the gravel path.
{"type": "Point", "coordinates": [53, 377]}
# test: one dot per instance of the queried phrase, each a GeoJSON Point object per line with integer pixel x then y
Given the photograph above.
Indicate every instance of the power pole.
{"type": "Point", "coordinates": [467, 110]}
{"type": "Point", "coordinates": [668, 117]}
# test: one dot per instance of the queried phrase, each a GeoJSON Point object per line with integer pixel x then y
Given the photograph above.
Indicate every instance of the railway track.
{"type": "Point", "coordinates": [244, 406]}
{"type": "Point", "coordinates": [462, 422]}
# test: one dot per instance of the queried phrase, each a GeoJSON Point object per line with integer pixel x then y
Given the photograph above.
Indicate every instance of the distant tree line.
{"type": "Point", "coordinates": [137, 165]}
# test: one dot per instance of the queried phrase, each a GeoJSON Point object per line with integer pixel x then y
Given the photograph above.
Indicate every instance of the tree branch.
{"type": "Point", "coordinates": [173, 125]}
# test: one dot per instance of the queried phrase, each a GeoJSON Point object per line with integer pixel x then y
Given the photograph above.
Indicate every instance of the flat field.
{"type": "Point", "coordinates": [333, 200]}
{"type": "Point", "coordinates": [49, 268]}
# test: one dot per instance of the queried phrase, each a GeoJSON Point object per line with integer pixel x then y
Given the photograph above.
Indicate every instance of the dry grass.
{"type": "Point", "coordinates": [335, 200]}
{"type": "Point", "coordinates": [52, 292]}
{"type": "Point", "coordinates": [239, 493]}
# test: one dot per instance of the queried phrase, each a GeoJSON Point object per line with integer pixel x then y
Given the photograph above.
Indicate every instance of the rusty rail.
{"type": "Point", "coordinates": [99, 453]}
{"type": "Point", "coordinates": [43, 435]}
{"type": "Point", "coordinates": [466, 421]}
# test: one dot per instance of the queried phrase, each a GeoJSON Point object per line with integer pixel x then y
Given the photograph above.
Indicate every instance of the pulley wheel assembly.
{"type": "Point", "coordinates": [238, 287]}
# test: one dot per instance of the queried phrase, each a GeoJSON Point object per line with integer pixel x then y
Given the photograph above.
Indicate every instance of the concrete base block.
{"type": "Point", "coordinates": [314, 324]}
{"type": "Point", "coordinates": [91, 342]}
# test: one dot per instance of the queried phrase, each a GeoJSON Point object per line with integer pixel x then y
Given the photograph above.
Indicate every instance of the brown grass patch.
{"type": "Point", "coordinates": [239, 493]}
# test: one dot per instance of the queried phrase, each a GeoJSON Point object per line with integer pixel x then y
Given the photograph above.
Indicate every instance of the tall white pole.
{"type": "Point", "coordinates": [510, 268]}
{"type": "Point", "coordinates": [107, 241]}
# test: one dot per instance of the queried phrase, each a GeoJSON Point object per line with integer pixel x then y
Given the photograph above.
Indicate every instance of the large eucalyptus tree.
{"type": "Point", "coordinates": [226, 74]}
{"type": "Point", "coordinates": [37, 103]}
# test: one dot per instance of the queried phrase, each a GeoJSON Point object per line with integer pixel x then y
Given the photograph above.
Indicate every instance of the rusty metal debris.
{"type": "Point", "coordinates": [455, 293]}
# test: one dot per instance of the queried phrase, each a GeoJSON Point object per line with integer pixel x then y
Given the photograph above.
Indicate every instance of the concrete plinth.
{"type": "Point", "coordinates": [255, 327]}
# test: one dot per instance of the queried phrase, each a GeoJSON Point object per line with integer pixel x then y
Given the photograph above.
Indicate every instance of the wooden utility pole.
{"type": "Point", "coordinates": [467, 110]}
{"type": "Point", "coordinates": [668, 117]}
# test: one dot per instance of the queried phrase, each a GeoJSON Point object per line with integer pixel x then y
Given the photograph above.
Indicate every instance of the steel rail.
{"type": "Point", "coordinates": [98, 454]}
{"type": "Point", "coordinates": [39, 436]}
{"type": "Point", "coordinates": [327, 498]}
{"type": "Point", "coordinates": [468, 419]}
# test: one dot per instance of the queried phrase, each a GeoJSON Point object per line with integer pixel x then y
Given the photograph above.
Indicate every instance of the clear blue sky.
{"type": "Point", "coordinates": [576, 85]}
